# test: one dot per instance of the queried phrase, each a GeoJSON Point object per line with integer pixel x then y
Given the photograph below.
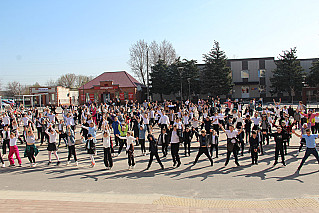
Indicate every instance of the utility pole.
{"type": "Point", "coordinates": [189, 88]}
{"type": "Point", "coordinates": [180, 70]}
{"type": "Point", "coordinates": [148, 83]}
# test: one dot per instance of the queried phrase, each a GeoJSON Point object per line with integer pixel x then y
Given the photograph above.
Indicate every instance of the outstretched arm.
{"type": "Point", "coordinates": [221, 126]}
{"type": "Point", "coordinates": [293, 131]}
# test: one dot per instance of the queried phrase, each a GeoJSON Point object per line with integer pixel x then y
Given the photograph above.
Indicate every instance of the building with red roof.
{"type": "Point", "coordinates": [111, 86]}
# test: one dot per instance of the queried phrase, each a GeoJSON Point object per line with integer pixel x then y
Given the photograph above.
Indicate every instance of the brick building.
{"type": "Point", "coordinates": [110, 86]}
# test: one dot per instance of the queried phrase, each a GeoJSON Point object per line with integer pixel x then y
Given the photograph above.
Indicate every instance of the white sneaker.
{"type": "Point", "coordinates": [129, 168]}
{"type": "Point", "coordinates": [35, 164]}
{"type": "Point", "coordinates": [76, 163]}
{"type": "Point", "coordinates": [31, 164]}
{"type": "Point", "coordinates": [68, 162]}
{"type": "Point", "coordinates": [3, 165]}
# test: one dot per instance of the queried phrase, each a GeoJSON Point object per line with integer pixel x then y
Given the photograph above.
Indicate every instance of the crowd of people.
{"type": "Point", "coordinates": [247, 126]}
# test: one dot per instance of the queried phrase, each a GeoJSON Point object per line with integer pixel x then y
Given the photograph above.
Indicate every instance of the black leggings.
{"type": "Point", "coordinates": [235, 151]}
{"type": "Point", "coordinates": [212, 147]}
{"type": "Point", "coordinates": [30, 155]}
{"type": "Point", "coordinates": [39, 130]}
{"type": "Point", "coordinates": [108, 162]}
{"type": "Point", "coordinates": [279, 150]}
{"type": "Point", "coordinates": [1, 159]}
{"type": "Point", "coordinates": [247, 133]}
{"type": "Point", "coordinates": [122, 142]}
{"type": "Point", "coordinates": [72, 152]}
{"type": "Point", "coordinates": [187, 147]}
{"type": "Point", "coordinates": [309, 151]}
{"type": "Point", "coordinates": [164, 149]}
{"type": "Point", "coordinates": [130, 158]}
{"type": "Point", "coordinates": [5, 145]}
{"type": "Point", "coordinates": [254, 156]}
{"type": "Point", "coordinates": [142, 142]}
{"type": "Point", "coordinates": [174, 152]}
{"type": "Point", "coordinates": [203, 150]}
{"type": "Point", "coordinates": [152, 154]}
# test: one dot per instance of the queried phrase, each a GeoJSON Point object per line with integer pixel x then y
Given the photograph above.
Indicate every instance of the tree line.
{"type": "Point", "coordinates": [69, 80]}
{"type": "Point", "coordinates": [168, 73]}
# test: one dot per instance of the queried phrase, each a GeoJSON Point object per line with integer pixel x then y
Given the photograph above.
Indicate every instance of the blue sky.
{"type": "Point", "coordinates": [43, 39]}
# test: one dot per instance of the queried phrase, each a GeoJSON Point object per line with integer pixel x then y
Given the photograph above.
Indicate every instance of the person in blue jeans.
{"type": "Point", "coordinates": [310, 144]}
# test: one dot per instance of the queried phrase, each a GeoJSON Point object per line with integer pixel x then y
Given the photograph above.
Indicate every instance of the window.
{"type": "Point", "coordinates": [262, 64]}
{"type": "Point", "coordinates": [244, 74]}
{"type": "Point", "coordinates": [52, 97]}
{"type": "Point", "coordinates": [261, 73]}
{"type": "Point", "coordinates": [262, 81]}
{"type": "Point", "coordinates": [244, 65]}
{"type": "Point", "coordinates": [245, 89]}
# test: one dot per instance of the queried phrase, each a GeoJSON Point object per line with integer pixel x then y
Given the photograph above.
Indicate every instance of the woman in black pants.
{"type": "Point", "coordinates": [153, 150]}
{"type": "Point", "coordinates": [174, 141]}
{"type": "Point", "coordinates": [38, 124]}
{"type": "Point", "coordinates": [254, 146]}
{"type": "Point", "coordinates": [70, 139]}
{"type": "Point", "coordinates": [248, 123]}
{"type": "Point", "coordinates": [108, 162]}
{"type": "Point", "coordinates": [203, 148]}
{"type": "Point", "coordinates": [187, 137]}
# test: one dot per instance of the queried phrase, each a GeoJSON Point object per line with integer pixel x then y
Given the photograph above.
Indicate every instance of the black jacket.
{"type": "Point", "coordinates": [187, 136]}
{"type": "Point", "coordinates": [254, 142]}
{"type": "Point", "coordinates": [153, 143]}
{"type": "Point", "coordinates": [203, 140]}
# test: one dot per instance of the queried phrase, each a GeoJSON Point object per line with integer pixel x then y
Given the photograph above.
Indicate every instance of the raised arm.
{"type": "Point", "coordinates": [293, 131]}
{"type": "Point", "coordinates": [85, 127]}
{"type": "Point", "coordinates": [221, 126]}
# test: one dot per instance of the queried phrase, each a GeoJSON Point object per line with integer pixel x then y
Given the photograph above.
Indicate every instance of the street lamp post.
{"type": "Point", "coordinates": [180, 70]}
{"type": "Point", "coordinates": [189, 88]}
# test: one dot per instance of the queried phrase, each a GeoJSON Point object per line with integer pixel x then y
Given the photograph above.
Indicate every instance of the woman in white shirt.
{"type": "Point", "coordinates": [31, 151]}
{"type": "Point", "coordinates": [14, 149]}
{"type": "Point", "coordinates": [232, 144]}
{"type": "Point", "coordinates": [52, 133]}
{"type": "Point", "coordinates": [129, 149]}
{"type": "Point", "coordinates": [106, 139]}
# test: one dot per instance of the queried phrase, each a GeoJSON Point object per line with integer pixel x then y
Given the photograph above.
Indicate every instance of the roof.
{"type": "Point", "coordinates": [122, 78]}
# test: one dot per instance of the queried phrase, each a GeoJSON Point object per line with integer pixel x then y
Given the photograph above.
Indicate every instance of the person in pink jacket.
{"type": "Point", "coordinates": [311, 119]}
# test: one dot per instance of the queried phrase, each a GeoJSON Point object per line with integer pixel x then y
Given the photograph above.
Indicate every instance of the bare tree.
{"type": "Point", "coordinates": [164, 51]}
{"type": "Point", "coordinates": [67, 80]}
{"type": "Point", "coordinates": [51, 83]}
{"type": "Point", "coordinates": [82, 79]}
{"type": "Point", "coordinates": [154, 53]}
{"type": "Point", "coordinates": [15, 88]}
{"type": "Point", "coordinates": [138, 54]}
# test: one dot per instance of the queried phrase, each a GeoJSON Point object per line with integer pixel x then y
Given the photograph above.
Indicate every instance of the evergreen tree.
{"type": "Point", "coordinates": [216, 76]}
{"type": "Point", "coordinates": [159, 79]}
{"type": "Point", "coordinates": [313, 77]}
{"type": "Point", "coordinates": [288, 75]}
{"type": "Point", "coordinates": [189, 77]}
